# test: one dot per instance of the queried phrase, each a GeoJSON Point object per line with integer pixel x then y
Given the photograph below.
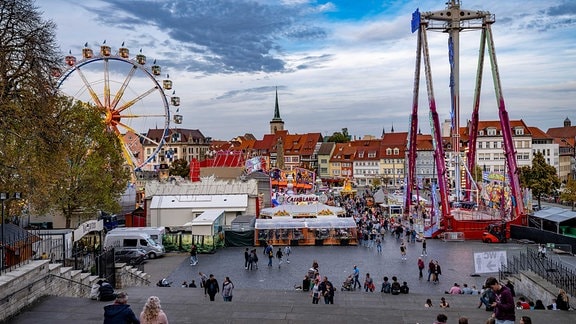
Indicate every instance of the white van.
{"type": "Point", "coordinates": [134, 239]}
{"type": "Point", "coordinates": [156, 233]}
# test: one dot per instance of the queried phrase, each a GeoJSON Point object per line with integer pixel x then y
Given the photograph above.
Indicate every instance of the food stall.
{"type": "Point", "coordinates": [305, 224]}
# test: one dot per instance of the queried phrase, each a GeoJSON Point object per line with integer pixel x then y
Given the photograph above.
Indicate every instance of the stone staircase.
{"type": "Point", "coordinates": [189, 305]}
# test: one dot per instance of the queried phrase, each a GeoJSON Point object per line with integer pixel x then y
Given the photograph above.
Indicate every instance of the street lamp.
{"type": "Point", "coordinates": [5, 196]}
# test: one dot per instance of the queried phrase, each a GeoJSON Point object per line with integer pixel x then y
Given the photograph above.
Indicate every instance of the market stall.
{"type": "Point", "coordinates": [311, 224]}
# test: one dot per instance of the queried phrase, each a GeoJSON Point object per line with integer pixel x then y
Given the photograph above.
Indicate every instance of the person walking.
{"type": "Point", "coordinates": [437, 272]}
{"type": "Point", "coordinates": [212, 287]}
{"type": "Point", "coordinates": [420, 268]}
{"type": "Point", "coordinates": [253, 263]}
{"type": "Point", "coordinates": [246, 258]}
{"type": "Point", "coordinates": [315, 293]}
{"type": "Point", "coordinates": [120, 312]}
{"type": "Point", "coordinates": [279, 256]}
{"type": "Point", "coordinates": [203, 280]}
{"type": "Point", "coordinates": [327, 290]}
{"type": "Point", "coordinates": [227, 287]}
{"type": "Point", "coordinates": [356, 274]}
{"type": "Point", "coordinates": [424, 251]}
{"type": "Point", "coordinates": [431, 269]}
{"type": "Point", "coordinates": [152, 312]}
{"type": "Point", "coordinates": [504, 306]}
{"type": "Point", "coordinates": [287, 251]}
{"type": "Point", "coordinates": [193, 255]}
{"type": "Point", "coordinates": [269, 251]}
{"type": "Point", "coordinates": [403, 250]}
{"type": "Point", "coordinates": [379, 244]}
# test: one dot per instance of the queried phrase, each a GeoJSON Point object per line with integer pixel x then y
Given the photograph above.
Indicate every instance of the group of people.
{"type": "Point", "coordinates": [212, 288]}
{"type": "Point", "coordinates": [464, 290]}
{"type": "Point", "coordinates": [120, 312]}
{"type": "Point", "coordinates": [442, 319]}
{"type": "Point", "coordinates": [251, 257]}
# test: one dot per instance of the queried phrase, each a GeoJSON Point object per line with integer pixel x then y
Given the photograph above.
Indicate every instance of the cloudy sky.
{"type": "Point", "coordinates": [335, 64]}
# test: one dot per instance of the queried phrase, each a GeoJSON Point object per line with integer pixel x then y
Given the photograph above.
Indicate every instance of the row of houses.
{"type": "Point", "coordinates": [384, 158]}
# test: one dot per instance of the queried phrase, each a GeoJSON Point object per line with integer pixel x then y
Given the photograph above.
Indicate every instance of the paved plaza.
{"type": "Point", "coordinates": [267, 295]}
{"type": "Point", "coordinates": [336, 262]}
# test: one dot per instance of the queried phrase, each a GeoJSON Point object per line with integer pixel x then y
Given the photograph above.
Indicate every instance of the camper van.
{"type": "Point", "coordinates": [156, 233]}
{"type": "Point", "coordinates": [133, 239]}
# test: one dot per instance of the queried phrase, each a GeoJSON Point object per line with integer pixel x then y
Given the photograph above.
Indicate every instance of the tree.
{"type": "Point", "coordinates": [569, 193]}
{"type": "Point", "coordinates": [541, 177]}
{"type": "Point", "coordinates": [89, 172]}
{"type": "Point", "coordinates": [340, 137]}
{"type": "Point", "coordinates": [180, 167]}
{"type": "Point", "coordinates": [27, 56]}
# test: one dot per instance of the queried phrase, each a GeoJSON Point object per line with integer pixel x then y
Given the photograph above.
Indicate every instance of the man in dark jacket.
{"type": "Point", "coordinates": [212, 287]}
{"type": "Point", "coordinates": [327, 290]}
{"type": "Point", "coordinates": [504, 306]}
{"type": "Point", "coordinates": [120, 312]}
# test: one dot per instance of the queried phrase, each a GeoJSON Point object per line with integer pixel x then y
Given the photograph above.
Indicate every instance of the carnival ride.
{"type": "Point", "coordinates": [125, 90]}
{"type": "Point", "coordinates": [444, 216]}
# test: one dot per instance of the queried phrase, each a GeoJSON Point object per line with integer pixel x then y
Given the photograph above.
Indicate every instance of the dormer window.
{"type": "Point", "coordinates": [361, 155]}
{"type": "Point", "coordinates": [491, 131]}
{"type": "Point", "coordinates": [519, 131]}
{"type": "Point", "coordinates": [388, 151]}
{"type": "Point", "coordinates": [396, 151]}
{"type": "Point", "coordinates": [481, 133]}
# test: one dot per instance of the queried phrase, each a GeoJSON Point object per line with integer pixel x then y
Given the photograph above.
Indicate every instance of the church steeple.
{"type": "Point", "coordinates": [276, 124]}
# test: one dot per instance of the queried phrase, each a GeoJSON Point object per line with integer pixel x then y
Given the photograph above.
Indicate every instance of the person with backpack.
{"type": "Point", "coordinates": [269, 251]}
{"type": "Point", "coordinates": [212, 287]}
{"type": "Point", "coordinates": [386, 286]}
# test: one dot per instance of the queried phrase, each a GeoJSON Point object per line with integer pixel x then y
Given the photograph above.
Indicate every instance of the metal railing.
{"type": "Point", "coordinates": [552, 271]}
{"type": "Point", "coordinates": [15, 251]}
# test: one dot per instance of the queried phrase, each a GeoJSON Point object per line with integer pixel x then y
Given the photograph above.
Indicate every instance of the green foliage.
{"type": "Point", "coordinates": [89, 168]}
{"type": "Point", "coordinates": [569, 193]}
{"type": "Point", "coordinates": [340, 137]}
{"type": "Point", "coordinates": [180, 167]}
{"type": "Point", "coordinates": [541, 177]}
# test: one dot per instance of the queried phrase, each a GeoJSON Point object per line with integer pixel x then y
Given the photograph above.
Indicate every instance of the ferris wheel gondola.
{"type": "Point", "coordinates": [126, 92]}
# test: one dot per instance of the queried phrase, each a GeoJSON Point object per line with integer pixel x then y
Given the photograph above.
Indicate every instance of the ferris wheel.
{"type": "Point", "coordinates": [135, 106]}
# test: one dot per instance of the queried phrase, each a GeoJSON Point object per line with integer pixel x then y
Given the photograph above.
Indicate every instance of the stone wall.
{"type": "Point", "coordinates": [534, 287]}
{"type": "Point", "coordinates": [23, 286]}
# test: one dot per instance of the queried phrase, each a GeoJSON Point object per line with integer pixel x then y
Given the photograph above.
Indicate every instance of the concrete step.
{"type": "Point", "coordinates": [186, 305]}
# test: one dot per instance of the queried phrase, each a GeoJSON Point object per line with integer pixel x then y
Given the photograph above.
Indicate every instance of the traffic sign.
{"type": "Point", "coordinates": [487, 262]}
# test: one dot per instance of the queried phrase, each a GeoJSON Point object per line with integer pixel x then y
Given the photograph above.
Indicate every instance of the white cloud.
{"type": "Point", "coordinates": [331, 73]}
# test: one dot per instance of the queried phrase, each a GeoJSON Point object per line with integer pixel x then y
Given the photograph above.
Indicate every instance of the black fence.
{"type": "Point", "coordinates": [15, 251]}
{"type": "Point", "coordinates": [105, 266]}
{"type": "Point", "coordinates": [552, 271]}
